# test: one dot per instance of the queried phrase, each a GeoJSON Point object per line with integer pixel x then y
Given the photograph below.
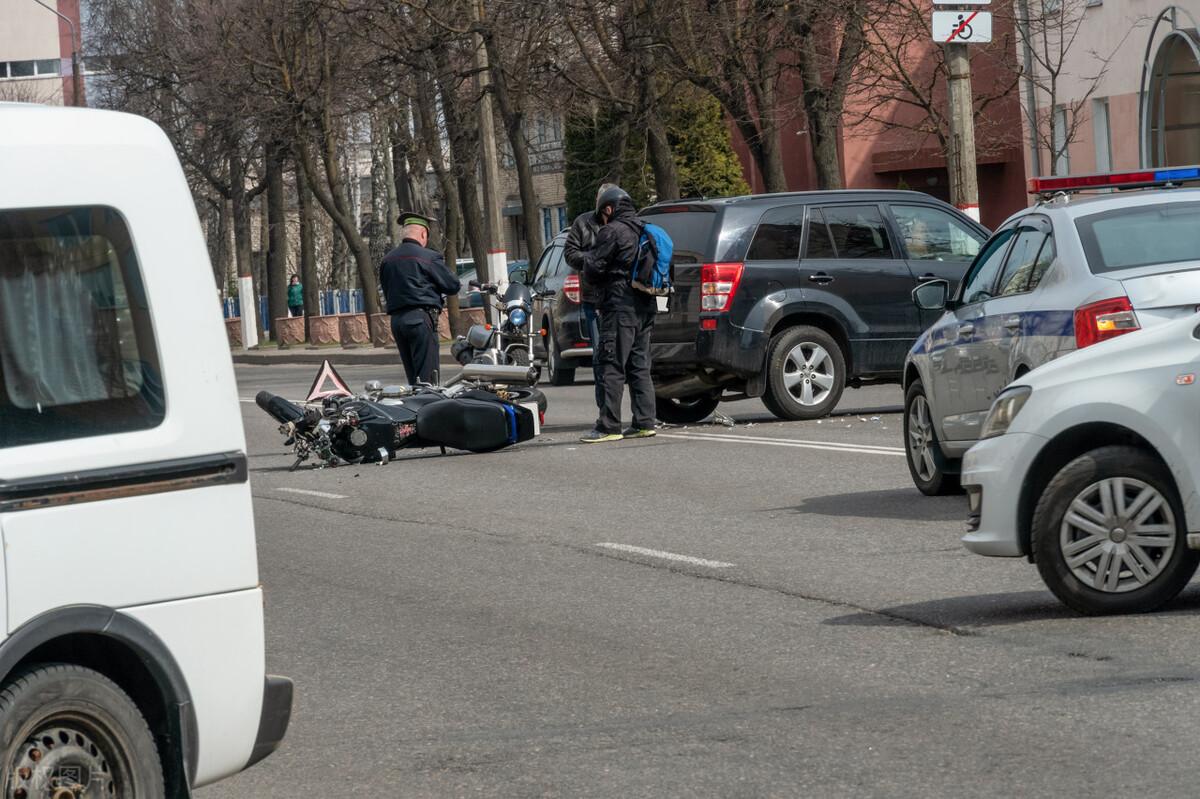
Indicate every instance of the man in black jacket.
{"type": "Point", "coordinates": [581, 238]}
{"type": "Point", "coordinates": [626, 319]}
{"type": "Point", "coordinates": [414, 279]}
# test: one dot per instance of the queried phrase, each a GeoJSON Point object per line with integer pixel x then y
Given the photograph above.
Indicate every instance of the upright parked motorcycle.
{"type": "Point", "coordinates": [512, 343]}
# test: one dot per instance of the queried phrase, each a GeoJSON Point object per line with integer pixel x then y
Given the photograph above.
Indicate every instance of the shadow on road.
{"type": "Point", "coordinates": [904, 504]}
{"type": "Point", "coordinates": [989, 610]}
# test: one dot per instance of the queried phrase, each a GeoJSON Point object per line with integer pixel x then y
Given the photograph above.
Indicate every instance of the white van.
{"type": "Point", "coordinates": [131, 616]}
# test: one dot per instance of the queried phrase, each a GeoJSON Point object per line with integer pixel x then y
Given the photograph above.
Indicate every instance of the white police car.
{"type": "Point", "coordinates": [1058, 276]}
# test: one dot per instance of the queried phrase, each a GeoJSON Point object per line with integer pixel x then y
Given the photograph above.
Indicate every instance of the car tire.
{"type": "Point", "coordinates": [559, 375]}
{"type": "Point", "coordinates": [687, 410]}
{"type": "Point", "coordinates": [1077, 562]}
{"type": "Point", "coordinates": [87, 725]}
{"type": "Point", "coordinates": [932, 472]}
{"type": "Point", "coordinates": [800, 360]}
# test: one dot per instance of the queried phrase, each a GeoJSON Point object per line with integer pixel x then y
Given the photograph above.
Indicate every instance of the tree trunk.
{"type": "Point", "coordinates": [308, 255]}
{"type": "Point", "coordinates": [514, 125]}
{"type": "Point", "coordinates": [378, 232]}
{"type": "Point", "coordinates": [243, 246]}
{"type": "Point", "coordinates": [391, 221]}
{"type": "Point", "coordinates": [328, 187]}
{"type": "Point", "coordinates": [277, 240]}
{"type": "Point", "coordinates": [464, 151]}
{"type": "Point", "coordinates": [430, 151]}
{"type": "Point", "coordinates": [822, 131]}
{"type": "Point", "coordinates": [224, 251]}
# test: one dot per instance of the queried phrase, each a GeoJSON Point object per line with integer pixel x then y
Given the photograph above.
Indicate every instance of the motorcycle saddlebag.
{"type": "Point", "coordinates": [476, 425]}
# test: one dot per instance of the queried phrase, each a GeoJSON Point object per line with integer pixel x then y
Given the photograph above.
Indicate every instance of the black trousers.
{"type": "Point", "coordinates": [625, 357]}
{"type": "Point", "coordinates": [416, 337]}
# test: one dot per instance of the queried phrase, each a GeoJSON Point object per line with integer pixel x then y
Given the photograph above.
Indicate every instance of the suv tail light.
{"type": "Point", "coordinates": [718, 285]}
{"type": "Point", "coordinates": [1104, 320]}
{"type": "Point", "coordinates": [571, 287]}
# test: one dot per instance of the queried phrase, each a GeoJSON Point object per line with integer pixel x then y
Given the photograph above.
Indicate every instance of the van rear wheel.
{"type": "Point", "coordinates": [806, 373]}
{"type": "Point", "coordinates": [70, 731]}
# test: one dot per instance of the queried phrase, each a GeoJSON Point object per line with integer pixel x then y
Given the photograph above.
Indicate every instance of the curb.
{"type": "Point", "coordinates": [316, 358]}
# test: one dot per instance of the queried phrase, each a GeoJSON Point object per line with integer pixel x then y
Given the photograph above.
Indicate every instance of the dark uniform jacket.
{"type": "Point", "coordinates": [413, 276]}
{"type": "Point", "coordinates": [609, 264]}
{"type": "Point", "coordinates": [581, 238]}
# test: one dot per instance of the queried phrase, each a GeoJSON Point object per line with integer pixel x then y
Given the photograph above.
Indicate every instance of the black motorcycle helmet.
{"type": "Point", "coordinates": [611, 196]}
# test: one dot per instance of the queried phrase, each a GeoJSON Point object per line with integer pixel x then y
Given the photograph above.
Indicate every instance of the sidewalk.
{"type": "Point", "coordinates": [338, 356]}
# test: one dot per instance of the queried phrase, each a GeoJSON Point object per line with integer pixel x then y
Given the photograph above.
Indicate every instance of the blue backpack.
{"type": "Point", "coordinates": [651, 268]}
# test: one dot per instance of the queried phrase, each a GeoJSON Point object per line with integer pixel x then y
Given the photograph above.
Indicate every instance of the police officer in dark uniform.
{"type": "Point", "coordinates": [414, 279]}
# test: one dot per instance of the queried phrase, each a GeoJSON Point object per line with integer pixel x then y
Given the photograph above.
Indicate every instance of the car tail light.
{"type": "Point", "coordinates": [718, 285]}
{"type": "Point", "coordinates": [571, 287]}
{"type": "Point", "coordinates": [1103, 320]}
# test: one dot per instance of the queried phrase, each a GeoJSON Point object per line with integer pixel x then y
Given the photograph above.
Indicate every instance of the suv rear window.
{"type": "Point", "coordinates": [1143, 235]}
{"type": "Point", "coordinates": [77, 352]}
{"type": "Point", "coordinates": [690, 228]}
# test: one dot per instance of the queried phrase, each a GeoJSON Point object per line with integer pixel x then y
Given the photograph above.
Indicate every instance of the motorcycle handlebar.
{"type": "Point", "coordinates": [280, 409]}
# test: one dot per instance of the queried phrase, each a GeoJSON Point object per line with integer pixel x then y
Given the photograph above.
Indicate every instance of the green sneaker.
{"type": "Point", "coordinates": [598, 436]}
{"type": "Point", "coordinates": [639, 432]}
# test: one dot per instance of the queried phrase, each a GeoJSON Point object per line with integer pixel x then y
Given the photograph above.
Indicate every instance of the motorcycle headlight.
{"type": "Point", "coordinates": [1004, 410]}
{"type": "Point", "coordinates": [517, 317]}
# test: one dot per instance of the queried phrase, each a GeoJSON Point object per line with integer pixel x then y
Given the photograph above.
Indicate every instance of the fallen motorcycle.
{"type": "Point", "coordinates": [471, 413]}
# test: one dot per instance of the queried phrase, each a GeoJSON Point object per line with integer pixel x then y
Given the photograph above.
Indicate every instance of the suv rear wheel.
{"type": "Point", "coordinates": [1109, 533]}
{"type": "Point", "coordinates": [71, 731]}
{"type": "Point", "coordinates": [806, 373]}
{"type": "Point", "coordinates": [687, 410]}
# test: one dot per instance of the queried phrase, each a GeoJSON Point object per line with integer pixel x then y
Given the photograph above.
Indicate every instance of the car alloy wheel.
{"type": "Point", "coordinates": [1118, 535]}
{"type": "Point", "coordinates": [808, 373]}
{"type": "Point", "coordinates": [920, 439]}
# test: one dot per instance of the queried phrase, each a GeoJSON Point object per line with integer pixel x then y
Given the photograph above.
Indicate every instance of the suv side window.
{"type": "Point", "coordinates": [778, 235]}
{"type": "Point", "coordinates": [1021, 260]}
{"type": "Point", "coordinates": [931, 234]}
{"type": "Point", "coordinates": [852, 231]}
{"type": "Point", "coordinates": [77, 351]}
{"type": "Point", "coordinates": [979, 283]}
{"type": "Point", "coordinates": [558, 264]}
{"type": "Point", "coordinates": [543, 265]}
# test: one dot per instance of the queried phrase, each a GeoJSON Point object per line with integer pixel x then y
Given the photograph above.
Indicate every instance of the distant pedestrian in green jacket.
{"type": "Point", "coordinates": [295, 296]}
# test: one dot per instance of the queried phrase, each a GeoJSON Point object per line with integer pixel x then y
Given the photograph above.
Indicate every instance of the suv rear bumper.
{"type": "Point", "coordinates": [729, 350]}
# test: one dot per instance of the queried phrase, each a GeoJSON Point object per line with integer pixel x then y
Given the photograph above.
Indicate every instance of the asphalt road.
{"type": "Point", "coordinates": [485, 625]}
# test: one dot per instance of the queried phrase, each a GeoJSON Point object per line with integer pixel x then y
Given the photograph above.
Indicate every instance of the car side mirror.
{"type": "Point", "coordinates": [932, 295]}
{"type": "Point", "coordinates": [519, 275]}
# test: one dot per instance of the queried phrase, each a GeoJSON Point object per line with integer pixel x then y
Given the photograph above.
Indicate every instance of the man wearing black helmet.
{"type": "Point", "coordinates": [581, 238]}
{"type": "Point", "coordinates": [414, 279]}
{"type": "Point", "coordinates": [626, 319]}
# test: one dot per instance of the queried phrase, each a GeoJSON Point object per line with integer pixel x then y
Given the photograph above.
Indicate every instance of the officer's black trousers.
{"type": "Point", "coordinates": [625, 356]}
{"type": "Point", "coordinates": [416, 337]}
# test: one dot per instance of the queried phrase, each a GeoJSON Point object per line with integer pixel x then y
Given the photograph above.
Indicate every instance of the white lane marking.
{"type": "Point", "coordinates": [311, 493]}
{"type": "Point", "coordinates": [658, 553]}
{"type": "Point", "coordinates": [828, 446]}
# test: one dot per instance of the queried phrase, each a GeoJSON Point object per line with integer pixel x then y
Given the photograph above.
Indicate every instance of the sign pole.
{"type": "Point", "coordinates": [964, 182]}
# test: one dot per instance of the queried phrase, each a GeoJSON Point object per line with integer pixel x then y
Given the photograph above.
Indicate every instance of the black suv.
{"type": "Point", "coordinates": [791, 297]}
{"type": "Point", "coordinates": [566, 345]}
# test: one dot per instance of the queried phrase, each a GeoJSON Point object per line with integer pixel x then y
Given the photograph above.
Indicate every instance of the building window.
{"type": "Point", "coordinates": [554, 219]}
{"type": "Point", "coordinates": [20, 69]}
{"type": "Point", "coordinates": [1061, 156]}
{"type": "Point", "coordinates": [49, 66]}
{"type": "Point", "coordinates": [1100, 131]}
{"type": "Point", "coordinates": [28, 69]}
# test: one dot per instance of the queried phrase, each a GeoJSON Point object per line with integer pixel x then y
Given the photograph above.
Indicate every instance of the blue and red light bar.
{"type": "Point", "coordinates": [1143, 178]}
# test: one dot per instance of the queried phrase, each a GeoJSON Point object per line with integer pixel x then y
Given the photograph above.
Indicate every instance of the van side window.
{"type": "Point", "coordinates": [77, 350]}
{"type": "Point", "coordinates": [856, 231]}
{"type": "Point", "coordinates": [778, 235]}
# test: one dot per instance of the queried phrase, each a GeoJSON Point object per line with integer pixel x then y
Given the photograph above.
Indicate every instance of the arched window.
{"type": "Point", "coordinates": [1170, 106]}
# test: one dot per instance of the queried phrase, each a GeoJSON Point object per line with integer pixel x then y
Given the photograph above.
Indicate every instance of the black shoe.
{"type": "Point", "coordinates": [599, 436]}
{"type": "Point", "coordinates": [639, 432]}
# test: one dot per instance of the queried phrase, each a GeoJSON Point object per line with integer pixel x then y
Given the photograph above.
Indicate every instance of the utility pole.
{"type": "Point", "coordinates": [964, 183]}
{"type": "Point", "coordinates": [496, 266]}
{"type": "Point", "coordinates": [1031, 104]}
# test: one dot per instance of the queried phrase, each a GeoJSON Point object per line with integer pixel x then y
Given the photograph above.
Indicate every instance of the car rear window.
{"type": "Point", "coordinates": [1143, 235]}
{"type": "Point", "coordinates": [690, 228]}
{"type": "Point", "coordinates": [77, 350]}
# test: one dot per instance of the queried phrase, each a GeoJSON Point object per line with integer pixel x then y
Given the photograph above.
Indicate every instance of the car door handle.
{"type": "Point", "coordinates": [1013, 322]}
{"type": "Point", "coordinates": [820, 277]}
{"type": "Point", "coordinates": [965, 330]}
{"type": "Point", "coordinates": [927, 276]}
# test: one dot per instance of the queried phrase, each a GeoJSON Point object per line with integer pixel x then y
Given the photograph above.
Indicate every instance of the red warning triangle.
{"type": "Point", "coordinates": [328, 375]}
